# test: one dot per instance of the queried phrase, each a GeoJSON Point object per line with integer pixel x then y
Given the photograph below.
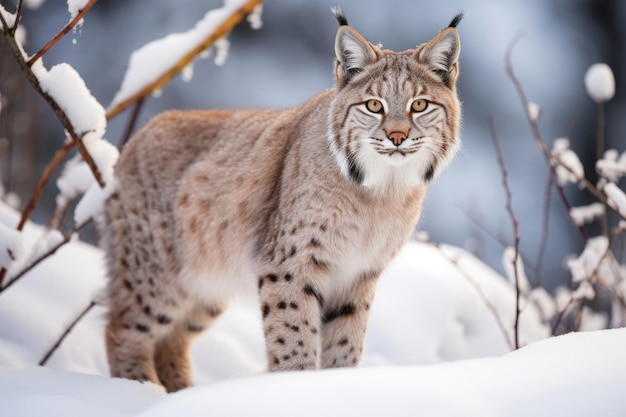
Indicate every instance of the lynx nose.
{"type": "Point", "coordinates": [397, 137]}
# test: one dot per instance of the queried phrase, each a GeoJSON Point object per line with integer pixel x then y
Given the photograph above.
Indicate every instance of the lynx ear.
{"type": "Point", "coordinates": [353, 53]}
{"type": "Point", "coordinates": [441, 53]}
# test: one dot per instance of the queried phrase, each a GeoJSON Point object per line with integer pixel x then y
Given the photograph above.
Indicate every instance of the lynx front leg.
{"type": "Point", "coordinates": [344, 324]}
{"type": "Point", "coordinates": [291, 307]}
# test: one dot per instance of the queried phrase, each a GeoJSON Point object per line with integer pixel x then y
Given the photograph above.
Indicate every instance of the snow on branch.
{"type": "Point", "coordinates": [156, 63]}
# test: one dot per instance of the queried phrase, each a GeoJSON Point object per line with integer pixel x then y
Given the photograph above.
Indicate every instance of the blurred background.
{"type": "Point", "coordinates": [290, 59]}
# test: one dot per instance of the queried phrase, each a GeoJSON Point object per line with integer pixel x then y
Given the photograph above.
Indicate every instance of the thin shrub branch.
{"type": "Point", "coordinates": [67, 331]}
{"type": "Point", "coordinates": [515, 224]}
{"type": "Point", "coordinates": [61, 33]}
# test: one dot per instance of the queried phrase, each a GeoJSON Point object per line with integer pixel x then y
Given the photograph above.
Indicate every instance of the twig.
{"type": "Point", "coordinates": [545, 227]}
{"type": "Point", "coordinates": [164, 78]}
{"type": "Point", "coordinates": [18, 15]}
{"type": "Point", "coordinates": [494, 311]}
{"type": "Point", "coordinates": [67, 331]}
{"type": "Point", "coordinates": [582, 181]}
{"type": "Point", "coordinates": [66, 239]}
{"type": "Point", "coordinates": [132, 122]}
{"type": "Point", "coordinates": [516, 237]}
{"type": "Point", "coordinates": [61, 33]}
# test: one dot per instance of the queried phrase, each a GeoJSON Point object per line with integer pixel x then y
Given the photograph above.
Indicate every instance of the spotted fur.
{"type": "Point", "coordinates": [304, 207]}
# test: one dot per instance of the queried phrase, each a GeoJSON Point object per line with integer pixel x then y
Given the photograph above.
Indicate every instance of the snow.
{"type": "Point", "coordinates": [433, 348]}
{"type": "Point", "coordinates": [68, 89]}
{"type": "Point", "coordinates": [566, 159]}
{"type": "Point", "coordinates": [10, 245]}
{"type": "Point", "coordinates": [152, 60]}
{"type": "Point", "coordinates": [533, 110]}
{"type": "Point", "coordinates": [8, 16]}
{"type": "Point", "coordinates": [616, 197]}
{"type": "Point", "coordinates": [600, 82]}
{"type": "Point", "coordinates": [254, 18]}
{"type": "Point", "coordinates": [75, 6]}
{"type": "Point", "coordinates": [612, 166]}
{"type": "Point", "coordinates": [586, 214]}
{"type": "Point", "coordinates": [589, 262]}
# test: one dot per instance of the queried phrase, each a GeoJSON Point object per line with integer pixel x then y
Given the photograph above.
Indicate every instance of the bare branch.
{"type": "Point", "coordinates": [132, 122]}
{"type": "Point", "coordinates": [67, 331]}
{"type": "Point", "coordinates": [164, 78]}
{"type": "Point", "coordinates": [516, 237]}
{"type": "Point", "coordinates": [62, 33]}
{"type": "Point", "coordinates": [582, 181]}
{"type": "Point", "coordinates": [18, 15]}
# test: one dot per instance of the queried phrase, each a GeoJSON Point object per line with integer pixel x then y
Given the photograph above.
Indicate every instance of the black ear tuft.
{"type": "Point", "coordinates": [339, 15]}
{"type": "Point", "coordinates": [457, 19]}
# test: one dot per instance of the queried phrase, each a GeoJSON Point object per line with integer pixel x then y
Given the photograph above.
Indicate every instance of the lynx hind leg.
{"type": "Point", "coordinates": [344, 325]}
{"type": "Point", "coordinates": [142, 304]}
{"type": "Point", "coordinates": [172, 352]}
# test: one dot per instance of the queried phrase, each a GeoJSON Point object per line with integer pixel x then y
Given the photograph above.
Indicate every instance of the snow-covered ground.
{"type": "Point", "coordinates": [434, 348]}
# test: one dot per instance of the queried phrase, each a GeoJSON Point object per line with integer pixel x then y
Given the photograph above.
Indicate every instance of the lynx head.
{"type": "Point", "coordinates": [395, 117]}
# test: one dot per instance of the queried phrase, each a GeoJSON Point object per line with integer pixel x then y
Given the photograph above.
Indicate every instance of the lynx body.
{"type": "Point", "coordinates": [304, 206]}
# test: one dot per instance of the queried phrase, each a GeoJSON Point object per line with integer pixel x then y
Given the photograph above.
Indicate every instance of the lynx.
{"type": "Point", "coordinates": [304, 207]}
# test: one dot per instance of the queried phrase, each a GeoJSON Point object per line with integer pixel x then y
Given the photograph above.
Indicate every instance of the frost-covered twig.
{"type": "Point", "coordinates": [67, 331]}
{"type": "Point", "coordinates": [220, 31]}
{"type": "Point", "coordinates": [582, 181]}
{"type": "Point", "coordinates": [77, 138]}
{"type": "Point", "coordinates": [516, 236]}
{"type": "Point", "coordinates": [61, 33]}
{"type": "Point", "coordinates": [50, 252]}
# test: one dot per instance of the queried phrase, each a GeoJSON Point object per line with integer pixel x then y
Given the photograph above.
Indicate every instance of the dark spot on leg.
{"type": "Point", "coordinates": [354, 361]}
{"type": "Point", "coordinates": [288, 277]}
{"type": "Point", "coordinates": [266, 310]}
{"type": "Point", "coordinates": [163, 319]}
{"type": "Point", "coordinates": [345, 310]}
{"type": "Point", "coordinates": [139, 299]}
{"type": "Point", "coordinates": [128, 285]}
{"type": "Point", "coordinates": [125, 263]}
{"type": "Point", "coordinates": [309, 290]}
{"type": "Point", "coordinates": [318, 263]}
{"type": "Point", "coordinates": [292, 252]}
{"type": "Point", "coordinates": [286, 357]}
{"type": "Point", "coordinates": [343, 342]}
{"type": "Point", "coordinates": [293, 305]}
{"type": "Point", "coordinates": [282, 305]}
{"type": "Point", "coordinates": [144, 328]}
{"type": "Point", "coordinates": [194, 328]}
{"type": "Point", "coordinates": [272, 277]}
{"type": "Point", "coordinates": [213, 311]}
{"type": "Point", "coordinates": [261, 282]}
{"type": "Point", "coordinates": [276, 361]}
{"type": "Point", "coordinates": [315, 243]}
{"type": "Point", "coordinates": [147, 310]}
{"type": "Point", "coordinates": [280, 340]}
{"type": "Point", "coordinates": [300, 343]}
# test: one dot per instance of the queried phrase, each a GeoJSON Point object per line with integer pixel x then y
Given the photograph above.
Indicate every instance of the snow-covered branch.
{"type": "Point", "coordinates": [155, 64]}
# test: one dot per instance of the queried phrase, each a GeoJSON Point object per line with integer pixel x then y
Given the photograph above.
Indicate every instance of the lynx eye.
{"type": "Point", "coordinates": [419, 105]}
{"type": "Point", "coordinates": [373, 105]}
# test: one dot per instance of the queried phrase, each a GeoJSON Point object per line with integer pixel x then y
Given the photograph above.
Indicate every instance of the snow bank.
{"type": "Point", "coordinates": [425, 311]}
